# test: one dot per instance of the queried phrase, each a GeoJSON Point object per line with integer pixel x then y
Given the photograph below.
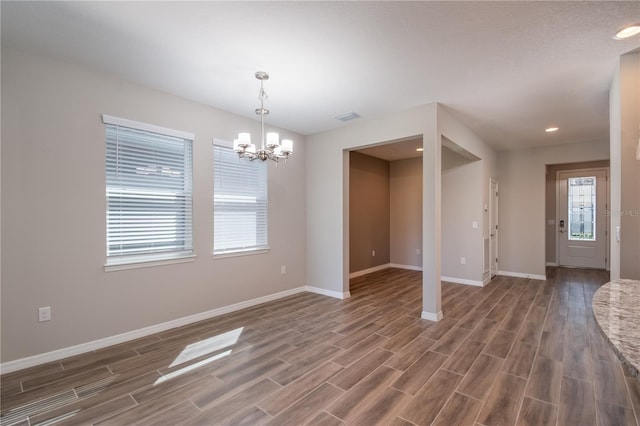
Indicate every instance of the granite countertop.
{"type": "Point", "coordinates": [616, 307]}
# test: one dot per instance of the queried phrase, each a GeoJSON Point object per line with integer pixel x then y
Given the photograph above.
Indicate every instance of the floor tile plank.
{"type": "Point", "coordinates": [410, 353]}
{"type": "Point", "coordinates": [325, 419]}
{"type": "Point", "coordinates": [352, 375]}
{"type": "Point", "coordinates": [609, 383]}
{"type": "Point", "coordinates": [415, 376]}
{"type": "Point", "coordinates": [299, 388]}
{"type": "Point", "coordinates": [353, 402]}
{"type": "Point", "coordinates": [308, 407]}
{"type": "Point", "coordinates": [383, 409]}
{"type": "Point", "coordinates": [520, 360]}
{"type": "Point", "coordinates": [227, 407]}
{"type": "Point", "coordinates": [426, 405]}
{"type": "Point", "coordinates": [463, 358]}
{"type": "Point", "coordinates": [503, 402]}
{"type": "Point", "coordinates": [515, 351]}
{"type": "Point", "coordinates": [459, 410]}
{"type": "Point", "coordinates": [614, 415]}
{"type": "Point", "coordinates": [537, 413]}
{"type": "Point", "coordinates": [545, 381]}
{"type": "Point", "coordinates": [481, 376]}
{"type": "Point", "coordinates": [577, 405]}
{"type": "Point", "coordinates": [91, 414]}
{"type": "Point", "coordinates": [500, 345]}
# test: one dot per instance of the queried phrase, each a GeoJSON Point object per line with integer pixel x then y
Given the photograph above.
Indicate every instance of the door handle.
{"type": "Point", "coordinates": [561, 226]}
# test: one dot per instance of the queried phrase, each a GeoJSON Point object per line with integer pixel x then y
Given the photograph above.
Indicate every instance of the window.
{"type": "Point", "coordinates": [582, 208]}
{"type": "Point", "coordinates": [149, 192]}
{"type": "Point", "coordinates": [239, 203]}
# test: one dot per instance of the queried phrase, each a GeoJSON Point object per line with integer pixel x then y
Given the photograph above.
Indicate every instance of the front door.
{"type": "Point", "coordinates": [581, 218]}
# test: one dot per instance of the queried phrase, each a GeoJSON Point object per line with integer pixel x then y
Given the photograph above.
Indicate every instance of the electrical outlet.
{"type": "Point", "coordinates": [283, 270]}
{"type": "Point", "coordinates": [44, 314]}
{"type": "Point", "coordinates": [474, 225]}
{"type": "Point", "coordinates": [463, 260]}
{"type": "Point", "coordinates": [373, 253]}
{"type": "Point", "coordinates": [417, 251]}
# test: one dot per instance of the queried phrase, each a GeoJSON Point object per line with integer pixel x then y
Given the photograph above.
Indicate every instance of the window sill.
{"type": "Point", "coordinates": [148, 261]}
{"type": "Point", "coordinates": [240, 253]}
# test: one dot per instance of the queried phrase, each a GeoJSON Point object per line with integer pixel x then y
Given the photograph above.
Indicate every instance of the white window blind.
{"type": "Point", "coordinates": [239, 203]}
{"type": "Point", "coordinates": [149, 191]}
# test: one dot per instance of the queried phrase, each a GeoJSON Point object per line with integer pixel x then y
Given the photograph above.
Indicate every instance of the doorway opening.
{"type": "Point", "coordinates": [385, 207]}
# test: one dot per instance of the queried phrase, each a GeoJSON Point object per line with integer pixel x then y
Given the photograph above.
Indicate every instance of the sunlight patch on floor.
{"type": "Point", "coordinates": [207, 346]}
{"type": "Point", "coordinates": [191, 367]}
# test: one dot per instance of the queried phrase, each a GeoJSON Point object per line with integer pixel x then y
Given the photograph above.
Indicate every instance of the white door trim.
{"type": "Point", "coordinates": [494, 266]}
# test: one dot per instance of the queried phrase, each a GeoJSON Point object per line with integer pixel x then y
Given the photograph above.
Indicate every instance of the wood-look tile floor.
{"type": "Point", "coordinates": [517, 351]}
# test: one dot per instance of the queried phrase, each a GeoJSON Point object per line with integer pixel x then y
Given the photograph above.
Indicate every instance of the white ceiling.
{"type": "Point", "coordinates": [398, 150]}
{"type": "Point", "coordinates": [507, 69]}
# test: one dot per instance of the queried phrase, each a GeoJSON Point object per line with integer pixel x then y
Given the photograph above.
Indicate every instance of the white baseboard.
{"type": "Point", "coordinates": [522, 275]}
{"type": "Point", "coordinates": [368, 270]}
{"type": "Point", "coordinates": [19, 364]}
{"type": "Point", "coordinates": [551, 264]}
{"type": "Point", "coordinates": [409, 267]}
{"type": "Point", "coordinates": [330, 293]}
{"type": "Point", "coordinates": [31, 361]}
{"type": "Point", "coordinates": [430, 316]}
{"type": "Point", "coordinates": [462, 281]}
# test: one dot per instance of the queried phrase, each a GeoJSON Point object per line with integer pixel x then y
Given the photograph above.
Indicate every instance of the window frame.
{"type": "Point", "coordinates": [239, 251]}
{"type": "Point", "coordinates": [150, 258]}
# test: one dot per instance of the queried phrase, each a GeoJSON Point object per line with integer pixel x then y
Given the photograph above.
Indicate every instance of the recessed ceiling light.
{"type": "Point", "coordinates": [419, 149]}
{"type": "Point", "coordinates": [628, 31]}
{"type": "Point", "coordinates": [347, 116]}
{"type": "Point", "coordinates": [551, 129]}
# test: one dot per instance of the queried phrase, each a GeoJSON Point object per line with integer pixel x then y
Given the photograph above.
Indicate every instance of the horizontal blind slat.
{"type": "Point", "coordinates": [149, 192]}
{"type": "Point", "coordinates": [240, 202]}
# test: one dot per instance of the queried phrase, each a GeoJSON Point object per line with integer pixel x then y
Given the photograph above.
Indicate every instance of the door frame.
{"type": "Point", "coordinates": [493, 204]}
{"type": "Point", "coordinates": [606, 207]}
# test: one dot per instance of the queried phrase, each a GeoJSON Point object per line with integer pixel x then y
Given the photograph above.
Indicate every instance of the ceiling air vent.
{"type": "Point", "coordinates": [347, 116]}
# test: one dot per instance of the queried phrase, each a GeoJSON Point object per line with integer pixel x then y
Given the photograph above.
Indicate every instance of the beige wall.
{"type": "Point", "coordinates": [522, 201]}
{"type": "Point", "coordinates": [461, 206]}
{"type": "Point", "coordinates": [625, 194]}
{"type": "Point", "coordinates": [406, 212]}
{"type": "Point", "coordinates": [53, 212]}
{"type": "Point", "coordinates": [550, 201]}
{"type": "Point", "coordinates": [471, 242]}
{"type": "Point", "coordinates": [630, 183]}
{"type": "Point", "coordinates": [368, 212]}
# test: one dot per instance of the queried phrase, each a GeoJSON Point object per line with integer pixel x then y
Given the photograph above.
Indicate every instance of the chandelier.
{"type": "Point", "coordinates": [270, 148]}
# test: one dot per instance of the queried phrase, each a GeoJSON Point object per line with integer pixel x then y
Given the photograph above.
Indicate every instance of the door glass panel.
{"type": "Point", "coordinates": [582, 208]}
